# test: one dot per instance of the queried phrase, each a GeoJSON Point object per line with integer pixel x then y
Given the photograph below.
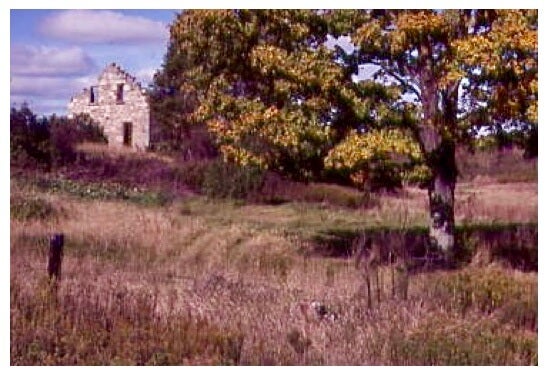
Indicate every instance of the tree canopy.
{"type": "Point", "coordinates": [268, 88]}
{"type": "Point", "coordinates": [465, 69]}
{"type": "Point", "coordinates": [274, 95]}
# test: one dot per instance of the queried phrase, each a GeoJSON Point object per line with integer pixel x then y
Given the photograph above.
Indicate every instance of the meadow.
{"type": "Point", "coordinates": [170, 277]}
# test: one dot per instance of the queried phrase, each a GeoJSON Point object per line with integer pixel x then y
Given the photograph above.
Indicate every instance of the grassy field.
{"type": "Point", "coordinates": [196, 281]}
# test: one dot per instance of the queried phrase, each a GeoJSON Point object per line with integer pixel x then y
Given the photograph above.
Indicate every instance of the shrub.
{"type": "Point", "coordinates": [460, 343]}
{"type": "Point", "coordinates": [504, 166]}
{"type": "Point", "coordinates": [27, 208]}
{"type": "Point", "coordinates": [217, 179]}
{"type": "Point", "coordinates": [334, 194]}
{"type": "Point", "coordinates": [48, 142]}
{"type": "Point", "coordinates": [192, 173]}
{"type": "Point", "coordinates": [276, 189]}
{"type": "Point", "coordinates": [29, 138]}
{"type": "Point", "coordinates": [227, 180]}
{"type": "Point", "coordinates": [104, 190]}
{"type": "Point", "coordinates": [66, 133]}
{"type": "Point", "coordinates": [492, 292]}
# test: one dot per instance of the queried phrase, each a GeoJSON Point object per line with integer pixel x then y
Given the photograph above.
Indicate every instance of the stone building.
{"type": "Point", "coordinates": [119, 104]}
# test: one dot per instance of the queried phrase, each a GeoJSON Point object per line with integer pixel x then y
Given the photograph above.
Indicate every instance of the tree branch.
{"type": "Point", "coordinates": [401, 80]}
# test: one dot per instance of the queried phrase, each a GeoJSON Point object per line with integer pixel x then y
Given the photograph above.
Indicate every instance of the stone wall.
{"type": "Point", "coordinates": [117, 99]}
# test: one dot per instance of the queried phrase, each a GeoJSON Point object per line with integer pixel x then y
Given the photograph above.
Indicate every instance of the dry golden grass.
{"type": "Point", "coordinates": [114, 151]}
{"type": "Point", "coordinates": [474, 202]}
{"type": "Point", "coordinates": [238, 272]}
{"type": "Point", "coordinates": [516, 202]}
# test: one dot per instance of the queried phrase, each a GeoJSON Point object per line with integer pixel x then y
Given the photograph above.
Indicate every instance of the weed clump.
{"type": "Point", "coordinates": [226, 180]}
{"type": "Point", "coordinates": [462, 343]}
{"type": "Point", "coordinates": [104, 191]}
{"type": "Point", "coordinates": [31, 208]}
{"type": "Point", "coordinates": [81, 327]}
{"type": "Point", "coordinates": [491, 292]}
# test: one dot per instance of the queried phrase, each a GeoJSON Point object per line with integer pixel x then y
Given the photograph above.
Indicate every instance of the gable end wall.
{"type": "Point", "coordinates": [110, 114]}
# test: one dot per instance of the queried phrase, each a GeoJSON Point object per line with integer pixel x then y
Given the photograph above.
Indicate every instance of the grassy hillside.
{"type": "Point", "coordinates": [155, 278]}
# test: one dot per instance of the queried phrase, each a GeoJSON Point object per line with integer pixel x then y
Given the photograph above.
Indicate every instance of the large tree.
{"type": "Point", "coordinates": [274, 95]}
{"type": "Point", "coordinates": [464, 68]}
{"type": "Point", "coordinates": [267, 87]}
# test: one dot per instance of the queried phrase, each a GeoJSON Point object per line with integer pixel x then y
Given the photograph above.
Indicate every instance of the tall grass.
{"type": "Point", "coordinates": [502, 166]}
{"type": "Point", "coordinates": [210, 282]}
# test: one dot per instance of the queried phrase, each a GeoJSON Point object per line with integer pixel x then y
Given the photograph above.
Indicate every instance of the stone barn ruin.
{"type": "Point", "coordinates": [119, 104]}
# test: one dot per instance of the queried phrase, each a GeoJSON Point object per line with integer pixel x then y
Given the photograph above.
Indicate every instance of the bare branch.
{"type": "Point", "coordinates": [405, 83]}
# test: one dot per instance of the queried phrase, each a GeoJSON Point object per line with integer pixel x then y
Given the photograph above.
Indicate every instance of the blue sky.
{"type": "Point", "coordinates": [56, 53]}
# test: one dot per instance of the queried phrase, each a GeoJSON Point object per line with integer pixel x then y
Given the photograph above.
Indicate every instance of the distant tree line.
{"type": "Point", "coordinates": [47, 142]}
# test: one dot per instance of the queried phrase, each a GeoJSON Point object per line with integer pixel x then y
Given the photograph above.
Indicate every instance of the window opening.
{"type": "Point", "coordinates": [93, 95]}
{"type": "Point", "coordinates": [120, 93]}
{"type": "Point", "coordinates": [128, 127]}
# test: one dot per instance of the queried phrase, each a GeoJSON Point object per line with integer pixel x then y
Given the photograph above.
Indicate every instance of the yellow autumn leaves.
{"type": "Point", "coordinates": [272, 94]}
{"type": "Point", "coordinates": [260, 135]}
{"type": "Point", "coordinates": [357, 151]}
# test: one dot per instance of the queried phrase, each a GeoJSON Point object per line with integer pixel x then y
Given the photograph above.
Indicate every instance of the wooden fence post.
{"type": "Point", "coordinates": [55, 257]}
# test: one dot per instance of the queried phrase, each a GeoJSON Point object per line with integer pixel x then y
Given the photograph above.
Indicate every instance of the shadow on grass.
{"type": "Point", "coordinates": [513, 243]}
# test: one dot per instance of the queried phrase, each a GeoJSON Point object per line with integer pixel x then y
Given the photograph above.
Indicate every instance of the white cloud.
{"type": "Point", "coordinates": [343, 41]}
{"type": "Point", "coordinates": [44, 61]}
{"type": "Point", "coordinates": [102, 26]}
{"type": "Point", "coordinates": [365, 71]}
{"type": "Point", "coordinates": [47, 77]}
{"type": "Point", "coordinates": [47, 95]}
{"type": "Point", "coordinates": [48, 87]}
{"type": "Point", "coordinates": [41, 106]}
{"type": "Point", "coordinates": [145, 76]}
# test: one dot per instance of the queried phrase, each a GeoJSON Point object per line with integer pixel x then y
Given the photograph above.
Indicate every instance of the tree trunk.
{"type": "Point", "coordinates": [441, 194]}
{"type": "Point", "coordinates": [438, 148]}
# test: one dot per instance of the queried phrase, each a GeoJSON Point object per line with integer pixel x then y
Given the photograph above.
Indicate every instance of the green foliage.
{"type": "Point", "coordinates": [227, 180]}
{"type": "Point", "coordinates": [454, 343]}
{"type": "Point", "coordinates": [493, 52]}
{"type": "Point", "coordinates": [66, 133]}
{"type": "Point", "coordinates": [492, 292]}
{"type": "Point", "coordinates": [48, 142]}
{"type": "Point", "coordinates": [442, 58]}
{"type": "Point", "coordinates": [273, 96]}
{"type": "Point", "coordinates": [29, 138]}
{"type": "Point", "coordinates": [378, 159]}
{"type": "Point", "coordinates": [27, 208]}
{"type": "Point", "coordinates": [269, 91]}
{"type": "Point", "coordinates": [104, 190]}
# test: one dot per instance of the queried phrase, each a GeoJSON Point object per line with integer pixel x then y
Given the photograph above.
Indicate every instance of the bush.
{"type": "Point", "coordinates": [460, 343]}
{"type": "Point", "coordinates": [48, 142]}
{"type": "Point", "coordinates": [106, 191]}
{"type": "Point", "coordinates": [493, 292]}
{"type": "Point", "coordinates": [29, 138]}
{"type": "Point", "coordinates": [227, 180]}
{"type": "Point", "coordinates": [66, 133]}
{"type": "Point", "coordinates": [276, 190]}
{"type": "Point", "coordinates": [27, 208]}
{"type": "Point", "coordinates": [504, 166]}
{"type": "Point", "coordinates": [192, 174]}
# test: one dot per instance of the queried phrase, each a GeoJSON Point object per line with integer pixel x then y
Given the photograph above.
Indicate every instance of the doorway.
{"type": "Point", "coordinates": [128, 129]}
